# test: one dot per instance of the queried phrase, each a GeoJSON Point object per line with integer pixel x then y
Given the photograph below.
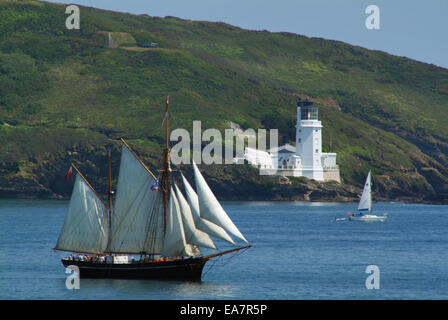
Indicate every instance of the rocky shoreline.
{"type": "Point", "coordinates": [46, 180]}
{"type": "Point", "coordinates": [267, 189]}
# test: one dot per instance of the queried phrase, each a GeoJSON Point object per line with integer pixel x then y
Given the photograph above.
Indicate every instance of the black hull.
{"type": "Point", "coordinates": [181, 269]}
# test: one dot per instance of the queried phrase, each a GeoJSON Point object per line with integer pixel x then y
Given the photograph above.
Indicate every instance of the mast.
{"type": "Point", "coordinates": [166, 166]}
{"type": "Point", "coordinates": [110, 192]}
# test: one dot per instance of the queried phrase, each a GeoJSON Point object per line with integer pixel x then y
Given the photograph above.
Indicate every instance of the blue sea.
{"type": "Point", "coordinates": [299, 252]}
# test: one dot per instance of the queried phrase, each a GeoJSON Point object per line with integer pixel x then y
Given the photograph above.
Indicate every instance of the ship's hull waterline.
{"type": "Point", "coordinates": [179, 269]}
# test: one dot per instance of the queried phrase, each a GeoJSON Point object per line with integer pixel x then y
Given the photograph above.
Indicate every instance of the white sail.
{"type": "Point", "coordinates": [210, 208]}
{"type": "Point", "coordinates": [86, 225]}
{"type": "Point", "coordinates": [174, 243]}
{"type": "Point", "coordinates": [200, 223]}
{"type": "Point", "coordinates": [137, 220]}
{"type": "Point", "coordinates": [192, 235]}
{"type": "Point", "coordinates": [365, 204]}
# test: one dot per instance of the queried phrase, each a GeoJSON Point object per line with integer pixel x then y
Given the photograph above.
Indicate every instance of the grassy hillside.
{"type": "Point", "coordinates": [65, 95]}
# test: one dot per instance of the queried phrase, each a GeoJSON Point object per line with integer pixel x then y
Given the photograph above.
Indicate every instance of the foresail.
{"type": "Point", "coordinates": [210, 208]}
{"type": "Point", "coordinates": [174, 243]}
{"type": "Point", "coordinates": [192, 234]}
{"type": "Point", "coordinates": [86, 225]}
{"type": "Point", "coordinates": [200, 223]}
{"type": "Point", "coordinates": [137, 220]}
{"type": "Point", "coordinates": [365, 204]}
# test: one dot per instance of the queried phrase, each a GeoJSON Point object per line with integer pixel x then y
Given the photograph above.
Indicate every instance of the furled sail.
{"type": "Point", "coordinates": [365, 204]}
{"type": "Point", "coordinates": [200, 223]}
{"type": "Point", "coordinates": [86, 225]}
{"type": "Point", "coordinates": [137, 220]}
{"type": "Point", "coordinates": [210, 208]}
{"type": "Point", "coordinates": [192, 235]}
{"type": "Point", "coordinates": [174, 243]}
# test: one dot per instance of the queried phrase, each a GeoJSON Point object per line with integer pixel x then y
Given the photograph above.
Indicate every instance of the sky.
{"type": "Point", "coordinates": [417, 29]}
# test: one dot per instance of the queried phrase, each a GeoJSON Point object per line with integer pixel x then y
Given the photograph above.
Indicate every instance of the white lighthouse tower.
{"type": "Point", "coordinates": [306, 159]}
{"type": "Point", "coordinates": [309, 140]}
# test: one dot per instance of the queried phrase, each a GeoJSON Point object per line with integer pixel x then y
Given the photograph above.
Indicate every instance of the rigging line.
{"type": "Point", "coordinates": [138, 158]}
{"type": "Point", "coordinates": [88, 184]}
{"type": "Point", "coordinates": [212, 265]}
{"type": "Point", "coordinates": [225, 260]}
{"type": "Point", "coordinates": [140, 197]}
{"type": "Point", "coordinates": [235, 254]}
{"type": "Point", "coordinates": [132, 218]}
{"type": "Point", "coordinates": [152, 226]}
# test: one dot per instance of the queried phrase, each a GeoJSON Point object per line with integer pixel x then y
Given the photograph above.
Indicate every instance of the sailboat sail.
{"type": "Point", "coordinates": [174, 243]}
{"type": "Point", "coordinates": [210, 208]}
{"type": "Point", "coordinates": [193, 235]}
{"type": "Point", "coordinates": [365, 204]}
{"type": "Point", "coordinates": [86, 224]}
{"type": "Point", "coordinates": [203, 224]}
{"type": "Point", "coordinates": [137, 224]}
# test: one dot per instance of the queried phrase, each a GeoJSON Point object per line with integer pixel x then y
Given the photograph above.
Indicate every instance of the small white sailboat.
{"type": "Point", "coordinates": [365, 206]}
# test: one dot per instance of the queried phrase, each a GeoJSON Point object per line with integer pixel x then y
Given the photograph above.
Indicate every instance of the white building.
{"type": "Point", "coordinates": [306, 159]}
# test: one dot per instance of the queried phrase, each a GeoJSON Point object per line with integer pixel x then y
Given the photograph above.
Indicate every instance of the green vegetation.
{"type": "Point", "coordinates": [65, 96]}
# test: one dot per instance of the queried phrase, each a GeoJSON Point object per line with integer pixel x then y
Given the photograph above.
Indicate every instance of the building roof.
{"type": "Point", "coordinates": [286, 148]}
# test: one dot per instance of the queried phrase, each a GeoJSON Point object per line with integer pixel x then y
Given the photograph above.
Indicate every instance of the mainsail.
{"type": "Point", "coordinates": [210, 208]}
{"type": "Point", "coordinates": [200, 223]}
{"type": "Point", "coordinates": [137, 224]}
{"type": "Point", "coordinates": [365, 204]}
{"type": "Point", "coordinates": [86, 225]}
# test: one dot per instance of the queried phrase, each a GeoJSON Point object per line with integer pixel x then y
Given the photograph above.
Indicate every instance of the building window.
{"type": "Point", "coordinates": [317, 150]}
{"type": "Point", "coordinates": [300, 140]}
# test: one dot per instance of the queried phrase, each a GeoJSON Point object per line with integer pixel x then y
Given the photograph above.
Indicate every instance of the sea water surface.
{"type": "Point", "coordinates": [299, 252]}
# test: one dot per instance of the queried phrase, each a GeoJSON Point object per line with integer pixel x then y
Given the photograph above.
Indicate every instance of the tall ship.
{"type": "Point", "coordinates": [152, 231]}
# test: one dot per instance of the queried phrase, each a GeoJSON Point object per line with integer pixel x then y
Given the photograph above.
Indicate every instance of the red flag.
{"type": "Point", "coordinates": [70, 171]}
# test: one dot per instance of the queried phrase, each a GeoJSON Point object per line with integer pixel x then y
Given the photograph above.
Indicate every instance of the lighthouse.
{"type": "Point", "coordinates": [306, 158]}
{"type": "Point", "coordinates": [309, 140]}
